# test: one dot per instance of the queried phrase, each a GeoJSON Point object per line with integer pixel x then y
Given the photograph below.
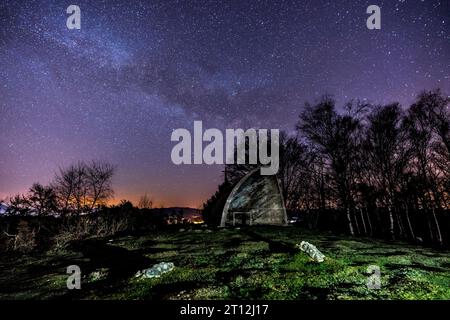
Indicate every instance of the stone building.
{"type": "Point", "coordinates": [255, 200]}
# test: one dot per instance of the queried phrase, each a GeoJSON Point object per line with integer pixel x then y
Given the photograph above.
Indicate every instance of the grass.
{"type": "Point", "coordinates": [248, 263]}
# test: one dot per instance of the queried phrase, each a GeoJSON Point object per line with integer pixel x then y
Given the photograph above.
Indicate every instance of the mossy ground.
{"type": "Point", "coordinates": [252, 263]}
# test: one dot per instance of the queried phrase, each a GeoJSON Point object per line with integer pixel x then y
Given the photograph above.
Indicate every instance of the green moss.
{"type": "Point", "coordinates": [234, 264]}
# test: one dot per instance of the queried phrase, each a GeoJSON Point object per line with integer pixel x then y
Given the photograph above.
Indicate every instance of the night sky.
{"type": "Point", "coordinates": [136, 70]}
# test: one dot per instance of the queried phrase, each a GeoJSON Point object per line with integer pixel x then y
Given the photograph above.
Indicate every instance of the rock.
{"type": "Point", "coordinates": [311, 250]}
{"type": "Point", "coordinates": [156, 271]}
{"type": "Point", "coordinates": [182, 230]}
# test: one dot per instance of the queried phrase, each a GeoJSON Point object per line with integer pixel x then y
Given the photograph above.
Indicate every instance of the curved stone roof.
{"type": "Point", "coordinates": [255, 200]}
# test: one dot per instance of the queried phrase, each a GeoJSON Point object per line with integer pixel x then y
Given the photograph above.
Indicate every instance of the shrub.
{"type": "Point", "coordinates": [26, 238]}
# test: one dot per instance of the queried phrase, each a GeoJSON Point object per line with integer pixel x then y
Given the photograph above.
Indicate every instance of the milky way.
{"type": "Point", "coordinates": [136, 70]}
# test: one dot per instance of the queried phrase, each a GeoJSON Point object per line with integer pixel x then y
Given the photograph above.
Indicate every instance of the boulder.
{"type": "Point", "coordinates": [311, 250]}
{"type": "Point", "coordinates": [156, 271]}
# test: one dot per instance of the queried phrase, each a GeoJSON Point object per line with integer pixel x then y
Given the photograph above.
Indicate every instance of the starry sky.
{"type": "Point", "coordinates": [136, 70]}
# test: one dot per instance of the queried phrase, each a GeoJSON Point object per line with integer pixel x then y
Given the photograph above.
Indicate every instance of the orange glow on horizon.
{"type": "Point", "coordinates": [134, 199]}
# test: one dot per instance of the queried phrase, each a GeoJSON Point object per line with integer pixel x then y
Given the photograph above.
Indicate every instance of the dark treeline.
{"type": "Point", "coordinates": [372, 170]}
{"type": "Point", "coordinates": [73, 206]}
{"type": "Point", "coordinates": [26, 233]}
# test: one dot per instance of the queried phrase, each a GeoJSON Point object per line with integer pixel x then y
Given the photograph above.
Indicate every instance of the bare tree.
{"type": "Point", "coordinates": [42, 199]}
{"type": "Point", "coordinates": [433, 108]}
{"type": "Point", "coordinates": [98, 180]}
{"type": "Point", "coordinates": [334, 137]}
{"type": "Point", "coordinates": [18, 205]}
{"type": "Point", "coordinates": [65, 184]}
{"type": "Point", "coordinates": [428, 128]}
{"type": "Point", "coordinates": [388, 155]}
{"type": "Point", "coordinates": [296, 170]}
{"type": "Point", "coordinates": [145, 202]}
{"type": "Point", "coordinates": [83, 186]}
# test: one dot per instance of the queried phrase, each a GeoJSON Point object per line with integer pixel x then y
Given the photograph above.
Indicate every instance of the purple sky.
{"type": "Point", "coordinates": [136, 70]}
